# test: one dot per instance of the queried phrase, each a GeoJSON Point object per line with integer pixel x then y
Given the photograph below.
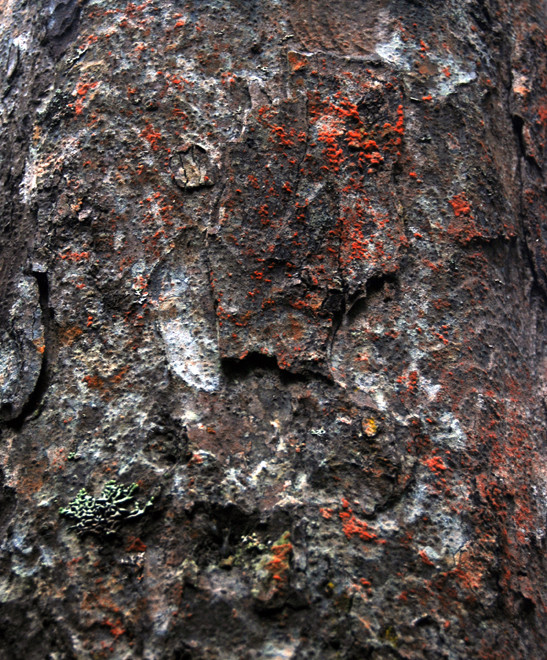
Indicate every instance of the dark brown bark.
{"type": "Point", "coordinates": [283, 265]}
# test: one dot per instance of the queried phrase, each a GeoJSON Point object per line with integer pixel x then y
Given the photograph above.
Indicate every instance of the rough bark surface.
{"type": "Point", "coordinates": [282, 264]}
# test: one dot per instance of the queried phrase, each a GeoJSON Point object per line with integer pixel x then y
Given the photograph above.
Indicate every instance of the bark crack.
{"type": "Point", "coordinates": [518, 124]}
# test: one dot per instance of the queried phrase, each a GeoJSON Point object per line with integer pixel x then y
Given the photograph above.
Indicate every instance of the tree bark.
{"type": "Point", "coordinates": [273, 288]}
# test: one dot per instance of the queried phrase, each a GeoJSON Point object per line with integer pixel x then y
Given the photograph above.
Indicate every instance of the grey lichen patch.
{"type": "Point", "coordinates": [104, 514]}
{"type": "Point", "coordinates": [192, 168]}
{"type": "Point", "coordinates": [22, 345]}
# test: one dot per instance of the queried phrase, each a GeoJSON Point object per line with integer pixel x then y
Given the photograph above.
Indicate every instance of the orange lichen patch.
{"type": "Point", "coordinates": [370, 427]}
{"type": "Point", "coordinates": [470, 572]}
{"type": "Point", "coordinates": [464, 229]}
{"type": "Point", "coordinates": [352, 526]}
{"type": "Point", "coordinates": [435, 464]}
{"type": "Point", "coordinates": [399, 128]}
{"type": "Point", "coordinates": [228, 77]}
{"type": "Point", "coordinates": [94, 382]}
{"type": "Point", "coordinates": [98, 607]}
{"type": "Point", "coordinates": [283, 137]}
{"type": "Point", "coordinates": [74, 256]}
{"type": "Point", "coordinates": [329, 130]}
{"type": "Point", "coordinates": [542, 114]}
{"type": "Point", "coordinates": [39, 343]}
{"type": "Point", "coordinates": [425, 558]}
{"type": "Point", "coordinates": [409, 380]}
{"type": "Point", "coordinates": [69, 335]}
{"type": "Point", "coordinates": [101, 598]}
{"type": "Point", "coordinates": [105, 385]}
{"type": "Point", "coordinates": [460, 205]}
{"type": "Point", "coordinates": [116, 629]}
{"type": "Point", "coordinates": [82, 88]}
{"type": "Point", "coordinates": [72, 566]}
{"type": "Point", "coordinates": [279, 565]}
{"type": "Point", "coordinates": [152, 136]}
{"type": "Point", "coordinates": [369, 149]}
{"type": "Point", "coordinates": [296, 61]}
{"type": "Point", "coordinates": [117, 377]}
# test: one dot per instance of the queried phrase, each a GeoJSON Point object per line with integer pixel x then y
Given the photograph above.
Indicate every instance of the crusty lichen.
{"type": "Point", "coordinates": [103, 515]}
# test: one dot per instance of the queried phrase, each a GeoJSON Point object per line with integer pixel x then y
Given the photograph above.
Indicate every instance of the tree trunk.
{"type": "Point", "coordinates": [273, 288]}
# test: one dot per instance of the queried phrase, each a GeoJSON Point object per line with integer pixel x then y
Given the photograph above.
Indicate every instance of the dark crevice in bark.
{"type": "Point", "coordinates": [254, 363]}
{"type": "Point", "coordinates": [358, 302]}
{"type": "Point", "coordinates": [346, 308]}
{"type": "Point", "coordinates": [62, 25]}
{"type": "Point", "coordinates": [391, 500]}
{"type": "Point", "coordinates": [518, 126]}
{"type": "Point", "coordinates": [226, 524]}
{"type": "Point", "coordinates": [338, 316]}
{"type": "Point", "coordinates": [36, 397]}
{"type": "Point", "coordinates": [482, 17]}
{"type": "Point", "coordinates": [537, 284]}
{"type": "Point", "coordinates": [335, 305]}
{"type": "Point", "coordinates": [517, 123]}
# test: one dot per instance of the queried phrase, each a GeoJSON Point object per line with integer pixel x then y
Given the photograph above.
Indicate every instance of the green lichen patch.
{"type": "Point", "coordinates": [104, 514]}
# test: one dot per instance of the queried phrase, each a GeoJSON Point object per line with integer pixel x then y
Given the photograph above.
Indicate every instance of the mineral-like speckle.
{"type": "Point", "coordinates": [283, 265]}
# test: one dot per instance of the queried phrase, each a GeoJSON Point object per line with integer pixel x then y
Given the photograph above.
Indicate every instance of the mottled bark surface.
{"type": "Point", "coordinates": [282, 264]}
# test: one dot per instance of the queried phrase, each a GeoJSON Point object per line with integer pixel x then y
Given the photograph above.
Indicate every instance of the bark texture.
{"type": "Point", "coordinates": [273, 294]}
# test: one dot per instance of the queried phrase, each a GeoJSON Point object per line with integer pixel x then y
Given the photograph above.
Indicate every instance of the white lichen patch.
{"type": "Point", "coordinates": [395, 52]}
{"type": "Point", "coordinates": [452, 74]}
{"type": "Point", "coordinates": [190, 339]}
{"type": "Point", "coordinates": [9, 365]}
{"type": "Point", "coordinates": [38, 168]}
{"type": "Point", "coordinates": [451, 535]}
{"type": "Point", "coordinates": [451, 71]}
{"type": "Point", "coordinates": [279, 651]}
{"type": "Point", "coordinates": [430, 388]}
{"type": "Point", "coordinates": [450, 433]}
